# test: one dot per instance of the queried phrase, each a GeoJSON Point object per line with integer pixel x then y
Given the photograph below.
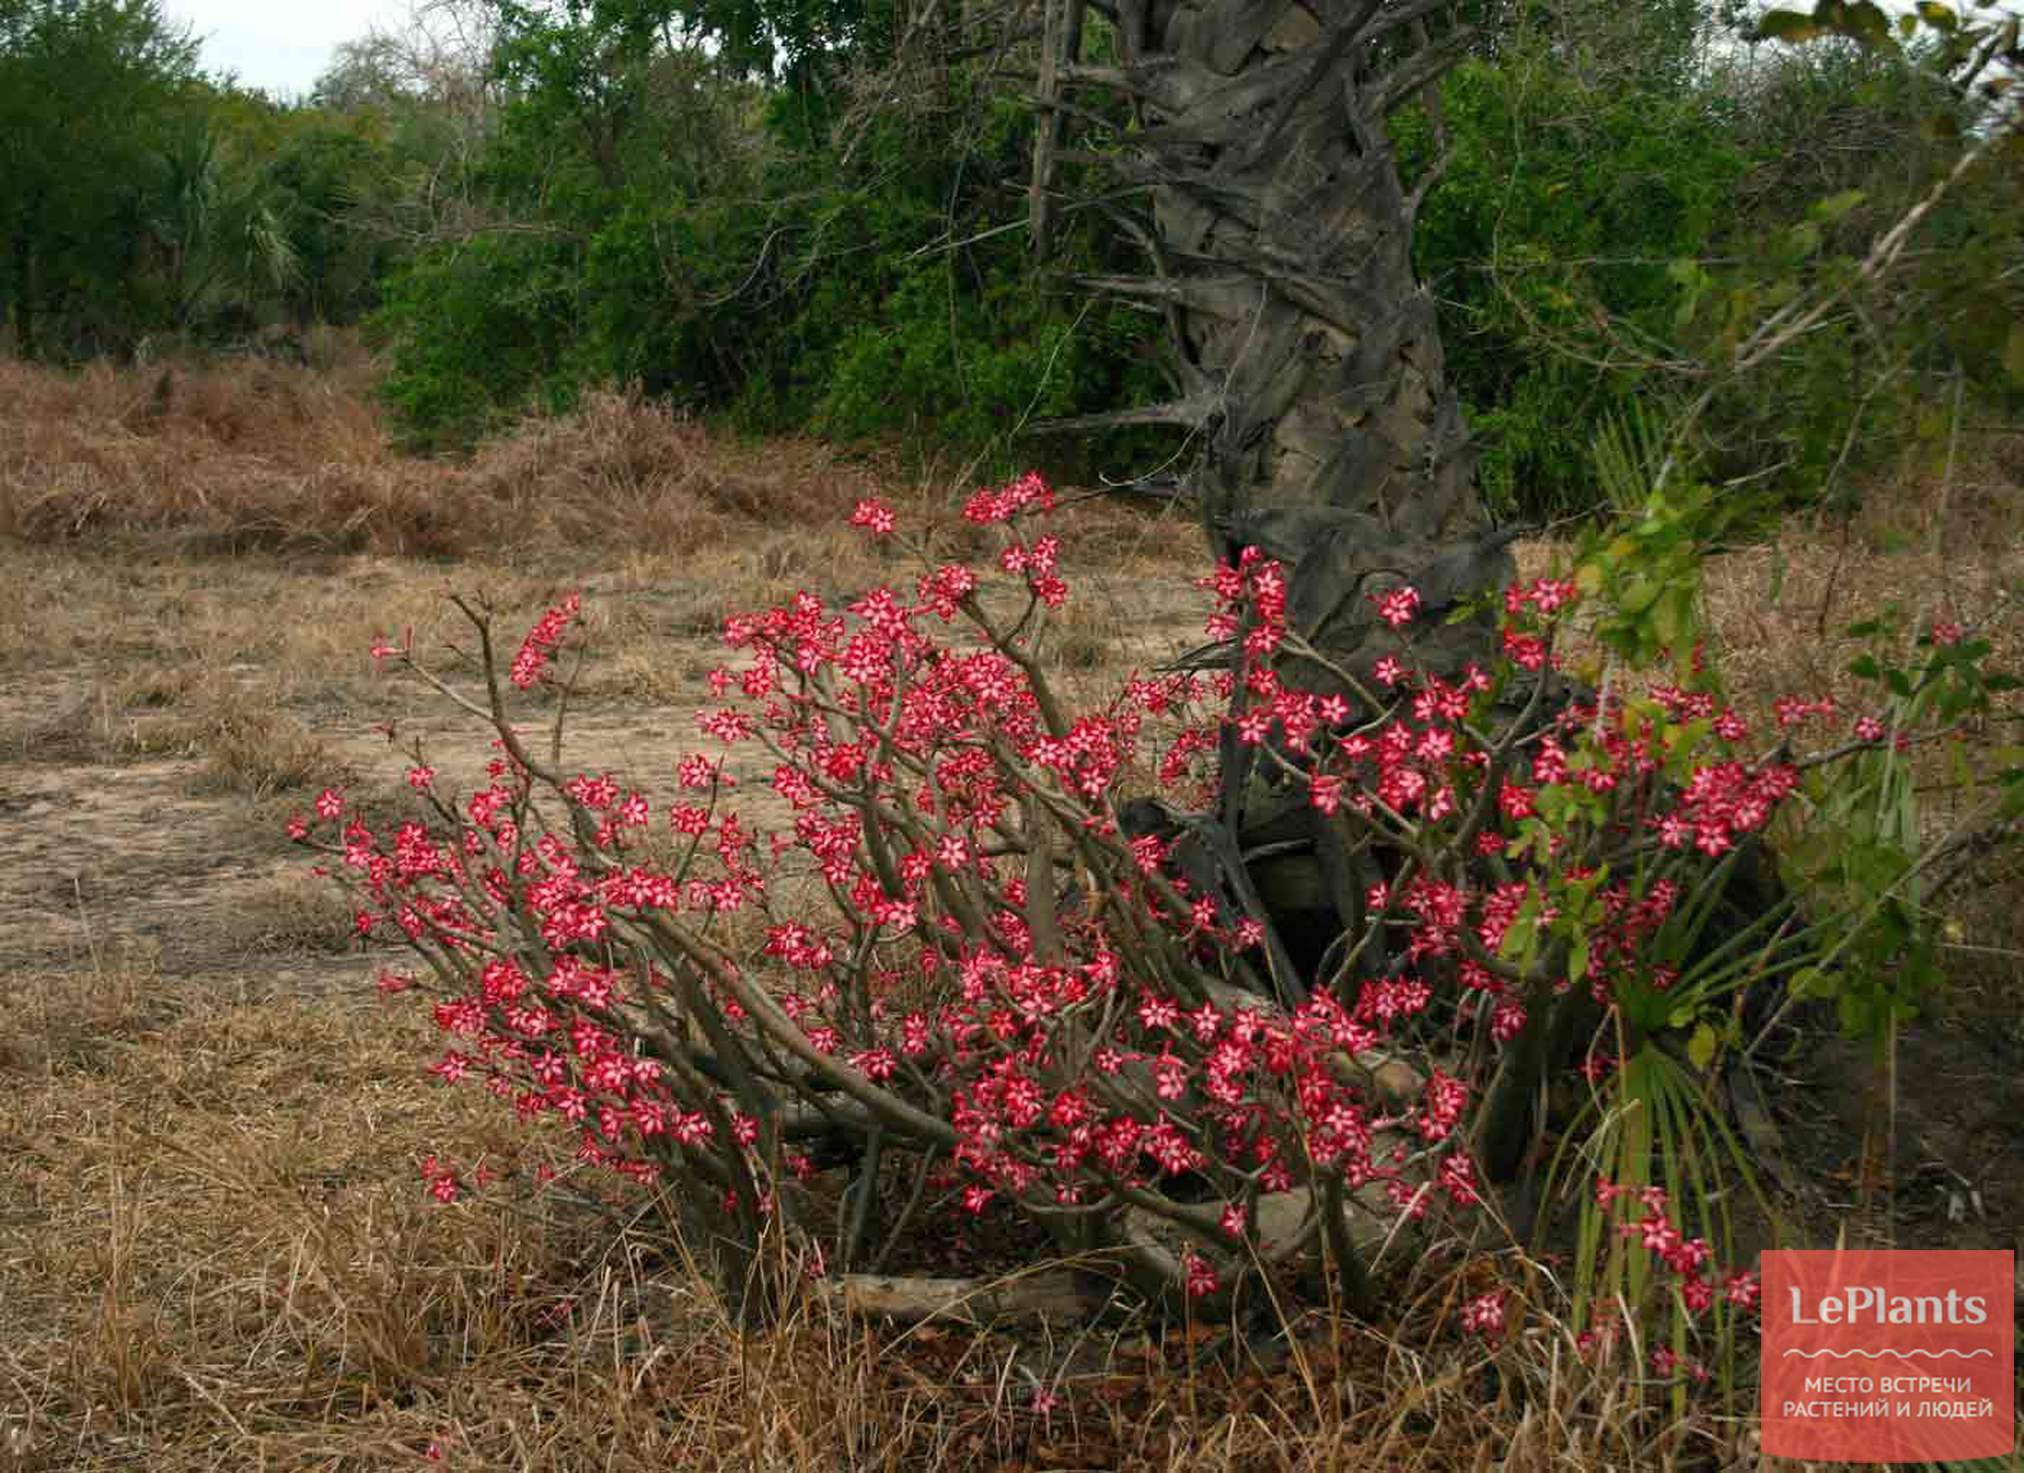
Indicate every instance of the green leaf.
{"type": "Point", "coordinates": [1639, 594]}
{"type": "Point", "coordinates": [1865, 22]}
{"type": "Point", "coordinates": [1939, 17]}
{"type": "Point", "coordinates": [1701, 1047]}
{"type": "Point", "coordinates": [1963, 771]}
{"type": "Point", "coordinates": [2013, 353]}
{"type": "Point", "coordinates": [1788, 25]}
{"type": "Point", "coordinates": [1811, 982]}
{"type": "Point", "coordinates": [1864, 667]}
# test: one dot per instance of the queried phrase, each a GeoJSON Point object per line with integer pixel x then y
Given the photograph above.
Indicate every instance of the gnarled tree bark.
{"type": "Point", "coordinates": [1310, 377]}
{"type": "Point", "coordinates": [1307, 351]}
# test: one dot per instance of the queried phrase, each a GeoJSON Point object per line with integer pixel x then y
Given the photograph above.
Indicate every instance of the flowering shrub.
{"type": "Point", "coordinates": [963, 963]}
{"type": "Point", "coordinates": [1690, 1277]}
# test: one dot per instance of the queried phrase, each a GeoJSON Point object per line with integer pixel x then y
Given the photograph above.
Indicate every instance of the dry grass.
{"type": "Point", "coordinates": [1936, 547]}
{"type": "Point", "coordinates": [216, 1254]}
{"type": "Point", "coordinates": [214, 1247]}
{"type": "Point", "coordinates": [260, 455]}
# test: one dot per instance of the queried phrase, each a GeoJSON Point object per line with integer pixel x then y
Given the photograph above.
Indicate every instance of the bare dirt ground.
{"type": "Point", "coordinates": [214, 1248]}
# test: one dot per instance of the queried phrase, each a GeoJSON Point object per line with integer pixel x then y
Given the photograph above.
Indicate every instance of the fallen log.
{"type": "Point", "coordinates": [1056, 1295]}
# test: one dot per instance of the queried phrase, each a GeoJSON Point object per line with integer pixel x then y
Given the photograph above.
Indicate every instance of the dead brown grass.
{"type": "Point", "coordinates": [214, 1247]}
{"type": "Point", "coordinates": [248, 748]}
{"type": "Point", "coordinates": [254, 455]}
{"type": "Point", "coordinates": [216, 1254]}
{"type": "Point", "coordinates": [1938, 546]}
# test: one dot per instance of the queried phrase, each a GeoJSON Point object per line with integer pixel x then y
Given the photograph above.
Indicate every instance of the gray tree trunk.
{"type": "Point", "coordinates": [1309, 360]}
{"type": "Point", "coordinates": [1311, 381]}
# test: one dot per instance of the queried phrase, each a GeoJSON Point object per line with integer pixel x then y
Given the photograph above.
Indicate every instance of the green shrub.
{"type": "Point", "coordinates": [478, 333]}
{"type": "Point", "coordinates": [1565, 196]}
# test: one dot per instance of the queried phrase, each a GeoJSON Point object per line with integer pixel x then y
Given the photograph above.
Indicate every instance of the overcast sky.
{"type": "Point", "coordinates": [280, 46]}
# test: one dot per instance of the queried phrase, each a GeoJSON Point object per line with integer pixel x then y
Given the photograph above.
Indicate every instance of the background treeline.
{"type": "Point", "coordinates": [813, 215]}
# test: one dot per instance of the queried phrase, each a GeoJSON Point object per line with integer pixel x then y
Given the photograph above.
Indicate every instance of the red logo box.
{"type": "Point", "coordinates": [1879, 1357]}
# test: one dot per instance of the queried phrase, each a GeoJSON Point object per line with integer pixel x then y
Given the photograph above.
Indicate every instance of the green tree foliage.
{"type": "Point", "coordinates": [140, 201]}
{"type": "Point", "coordinates": [91, 92]}
{"type": "Point", "coordinates": [798, 214]}
{"type": "Point", "coordinates": [1567, 195]}
{"type": "Point", "coordinates": [1630, 192]}
{"type": "Point", "coordinates": [762, 248]}
{"type": "Point", "coordinates": [320, 172]}
{"type": "Point", "coordinates": [1845, 141]}
{"type": "Point", "coordinates": [486, 331]}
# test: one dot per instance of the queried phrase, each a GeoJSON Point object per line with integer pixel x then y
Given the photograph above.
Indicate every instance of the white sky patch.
{"type": "Point", "coordinates": [280, 46]}
{"type": "Point", "coordinates": [283, 46]}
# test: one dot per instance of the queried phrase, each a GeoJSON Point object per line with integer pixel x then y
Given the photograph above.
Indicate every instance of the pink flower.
{"type": "Point", "coordinates": [1507, 1019]}
{"type": "Point", "coordinates": [875, 517]}
{"type": "Point", "coordinates": [698, 772]}
{"type": "Point", "coordinates": [1484, 1315]}
{"type": "Point", "coordinates": [1399, 607]}
{"type": "Point", "coordinates": [1200, 1276]}
{"type": "Point", "coordinates": [877, 1064]}
{"type": "Point", "coordinates": [1741, 1289]}
{"type": "Point", "coordinates": [1549, 595]}
{"type": "Point", "coordinates": [1792, 710]}
{"type": "Point", "coordinates": [1696, 1293]}
{"type": "Point", "coordinates": [1527, 651]}
{"type": "Point", "coordinates": [541, 640]}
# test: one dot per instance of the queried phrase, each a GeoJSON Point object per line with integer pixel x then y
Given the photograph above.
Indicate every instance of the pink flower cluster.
{"type": "Point", "coordinates": [1694, 1280]}
{"type": "Point", "coordinates": [541, 641]}
{"type": "Point", "coordinates": [954, 932]}
{"type": "Point", "coordinates": [1028, 493]}
{"type": "Point", "coordinates": [1484, 1315]}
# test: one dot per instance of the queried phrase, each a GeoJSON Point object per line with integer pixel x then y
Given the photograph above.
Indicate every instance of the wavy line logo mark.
{"type": "Point", "coordinates": [1884, 1357]}
{"type": "Point", "coordinates": [1879, 1354]}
